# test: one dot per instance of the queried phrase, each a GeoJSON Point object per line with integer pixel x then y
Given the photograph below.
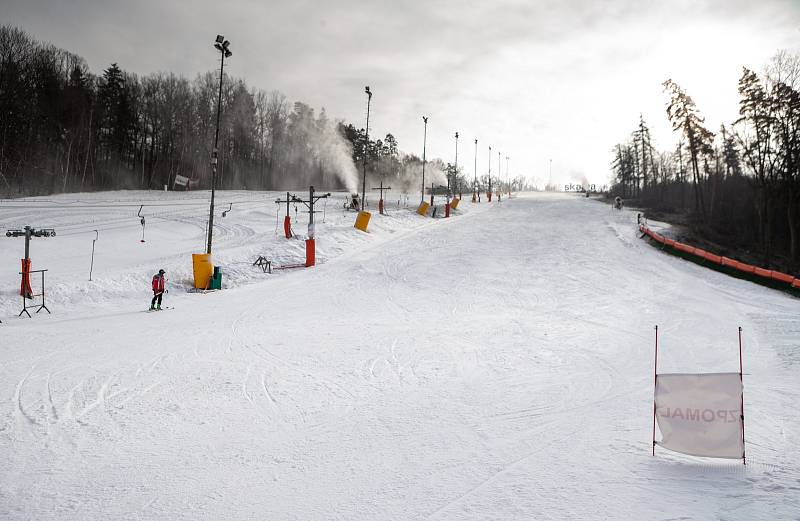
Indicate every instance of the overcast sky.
{"type": "Point", "coordinates": [533, 79]}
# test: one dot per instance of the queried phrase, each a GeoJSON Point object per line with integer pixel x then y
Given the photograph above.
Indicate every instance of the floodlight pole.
{"type": "Point", "coordinates": [455, 168]}
{"type": "Point", "coordinates": [366, 153]}
{"type": "Point", "coordinates": [489, 194]}
{"type": "Point", "coordinates": [223, 50]}
{"type": "Point", "coordinates": [475, 180]}
{"type": "Point", "coordinates": [499, 178]}
{"type": "Point", "coordinates": [424, 145]}
{"type": "Point", "coordinates": [508, 181]}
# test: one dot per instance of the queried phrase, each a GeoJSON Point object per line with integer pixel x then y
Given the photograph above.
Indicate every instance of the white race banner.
{"type": "Point", "coordinates": [700, 414]}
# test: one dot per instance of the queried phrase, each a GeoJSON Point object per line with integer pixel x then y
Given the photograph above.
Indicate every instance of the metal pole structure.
{"type": "Point", "coordinates": [550, 176]}
{"type": "Point", "coordinates": [475, 181]}
{"type": "Point", "coordinates": [499, 177]}
{"type": "Point", "coordinates": [311, 212]}
{"type": "Point", "coordinates": [424, 146]}
{"type": "Point", "coordinates": [222, 45]}
{"type": "Point", "coordinates": [489, 195]}
{"type": "Point", "coordinates": [28, 232]}
{"type": "Point", "coordinates": [455, 169]}
{"type": "Point", "coordinates": [26, 278]}
{"type": "Point", "coordinates": [655, 374]}
{"type": "Point", "coordinates": [91, 266]}
{"type": "Point", "coordinates": [508, 181]}
{"type": "Point", "coordinates": [366, 153]}
{"type": "Point", "coordinates": [744, 460]}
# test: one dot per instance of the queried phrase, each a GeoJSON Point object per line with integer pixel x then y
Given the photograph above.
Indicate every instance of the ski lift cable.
{"type": "Point", "coordinates": [187, 211]}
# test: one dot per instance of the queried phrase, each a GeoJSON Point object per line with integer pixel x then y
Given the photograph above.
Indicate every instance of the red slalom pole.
{"type": "Point", "coordinates": [744, 459]}
{"type": "Point", "coordinates": [655, 374]}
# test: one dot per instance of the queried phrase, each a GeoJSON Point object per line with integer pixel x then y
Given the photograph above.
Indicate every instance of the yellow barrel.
{"type": "Point", "coordinates": [423, 208]}
{"type": "Point", "coordinates": [362, 221]}
{"type": "Point", "coordinates": [454, 203]}
{"type": "Point", "coordinates": [203, 269]}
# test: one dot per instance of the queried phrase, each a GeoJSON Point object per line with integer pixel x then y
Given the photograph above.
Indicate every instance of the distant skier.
{"type": "Point", "coordinates": [618, 203]}
{"type": "Point", "coordinates": [158, 290]}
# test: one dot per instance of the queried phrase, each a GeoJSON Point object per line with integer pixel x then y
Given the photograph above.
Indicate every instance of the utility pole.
{"type": "Point", "coordinates": [221, 44]}
{"type": "Point", "coordinates": [366, 153]}
{"type": "Point", "coordinates": [424, 146]}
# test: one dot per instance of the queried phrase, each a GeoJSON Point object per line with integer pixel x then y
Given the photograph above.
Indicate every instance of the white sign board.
{"type": "Point", "coordinates": [181, 180]}
{"type": "Point", "coordinates": [700, 414]}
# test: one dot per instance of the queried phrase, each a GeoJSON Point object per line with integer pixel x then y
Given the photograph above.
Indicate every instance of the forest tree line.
{"type": "Point", "coordinates": [64, 129]}
{"type": "Point", "coordinates": [739, 186]}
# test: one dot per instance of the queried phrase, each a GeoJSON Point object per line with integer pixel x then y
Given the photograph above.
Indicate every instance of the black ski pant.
{"type": "Point", "coordinates": [156, 297]}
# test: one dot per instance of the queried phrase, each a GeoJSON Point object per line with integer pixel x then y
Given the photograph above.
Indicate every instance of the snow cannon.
{"type": "Point", "coordinates": [355, 203]}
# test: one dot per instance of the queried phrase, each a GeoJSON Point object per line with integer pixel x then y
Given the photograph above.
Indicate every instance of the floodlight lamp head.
{"type": "Point", "coordinates": [228, 53]}
{"type": "Point", "coordinates": [220, 38]}
{"type": "Point", "coordinates": [456, 135]}
{"type": "Point", "coordinates": [425, 119]}
{"type": "Point", "coordinates": [218, 47]}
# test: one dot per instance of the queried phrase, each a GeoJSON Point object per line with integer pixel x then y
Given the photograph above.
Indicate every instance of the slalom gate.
{"type": "Point", "coordinates": [699, 414]}
{"type": "Point", "coordinates": [772, 278]}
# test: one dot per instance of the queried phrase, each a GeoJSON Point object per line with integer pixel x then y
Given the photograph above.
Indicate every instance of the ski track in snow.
{"type": "Point", "coordinates": [497, 365]}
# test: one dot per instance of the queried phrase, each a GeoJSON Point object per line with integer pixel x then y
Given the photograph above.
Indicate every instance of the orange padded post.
{"type": "Point", "coordinates": [287, 227]}
{"type": "Point", "coordinates": [25, 285]}
{"type": "Point", "coordinates": [311, 253]}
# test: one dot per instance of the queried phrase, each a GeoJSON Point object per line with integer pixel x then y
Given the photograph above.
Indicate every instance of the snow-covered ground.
{"type": "Point", "coordinates": [497, 365]}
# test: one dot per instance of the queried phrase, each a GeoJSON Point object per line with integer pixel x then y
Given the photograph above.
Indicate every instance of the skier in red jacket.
{"type": "Point", "coordinates": [158, 290]}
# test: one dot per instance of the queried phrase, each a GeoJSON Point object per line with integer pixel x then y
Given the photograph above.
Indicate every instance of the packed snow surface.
{"type": "Point", "coordinates": [495, 365]}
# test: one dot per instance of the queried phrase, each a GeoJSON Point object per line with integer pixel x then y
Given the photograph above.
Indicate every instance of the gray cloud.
{"type": "Point", "coordinates": [536, 80]}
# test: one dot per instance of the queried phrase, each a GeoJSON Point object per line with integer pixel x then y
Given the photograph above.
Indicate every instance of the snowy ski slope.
{"type": "Point", "coordinates": [497, 365]}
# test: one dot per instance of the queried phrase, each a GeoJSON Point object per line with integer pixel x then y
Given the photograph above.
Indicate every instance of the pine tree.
{"type": "Point", "coordinates": [685, 117]}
